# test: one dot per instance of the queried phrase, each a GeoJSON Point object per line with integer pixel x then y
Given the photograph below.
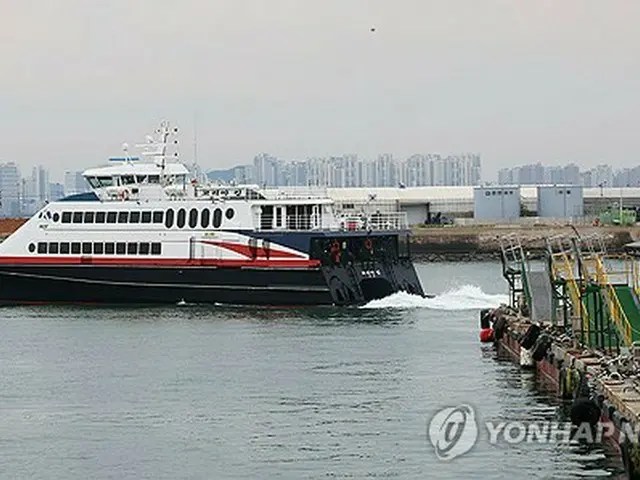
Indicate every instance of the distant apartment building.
{"type": "Point", "coordinates": [10, 190]}
{"type": "Point", "coordinates": [539, 174]}
{"type": "Point", "coordinates": [267, 170]}
{"type": "Point", "coordinates": [351, 171]}
{"type": "Point", "coordinates": [74, 182]}
{"type": "Point", "coordinates": [56, 191]}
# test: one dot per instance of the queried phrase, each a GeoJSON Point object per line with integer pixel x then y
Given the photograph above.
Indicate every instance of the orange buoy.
{"type": "Point", "coordinates": [486, 335]}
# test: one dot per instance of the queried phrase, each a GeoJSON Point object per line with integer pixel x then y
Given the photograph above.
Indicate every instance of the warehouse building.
{"type": "Point", "coordinates": [560, 201]}
{"type": "Point", "coordinates": [496, 203]}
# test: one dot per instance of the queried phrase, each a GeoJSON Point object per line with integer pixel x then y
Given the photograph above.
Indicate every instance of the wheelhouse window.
{"type": "Point", "coordinates": [105, 181]}
{"type": "Point", "coordinates": [93, 182]}
{"type": "Point", "coordinates": [127, 180]}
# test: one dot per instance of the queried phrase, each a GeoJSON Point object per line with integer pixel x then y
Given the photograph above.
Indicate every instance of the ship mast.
{"type": "Point", "coordinates": [158, 148]}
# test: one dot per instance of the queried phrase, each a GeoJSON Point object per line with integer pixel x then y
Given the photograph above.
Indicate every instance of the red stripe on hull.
{"type": "Point", "coordinates": [160, 262]}
{"type": "Point", "coordinates": [248, 251]}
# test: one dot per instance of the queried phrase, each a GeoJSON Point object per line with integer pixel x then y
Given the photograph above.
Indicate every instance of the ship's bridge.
{"type": "Point", "coordinates": [131, 180]}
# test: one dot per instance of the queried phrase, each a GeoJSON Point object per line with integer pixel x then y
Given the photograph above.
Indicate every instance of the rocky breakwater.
{"type": "Point", "coordinates": [482, 242]}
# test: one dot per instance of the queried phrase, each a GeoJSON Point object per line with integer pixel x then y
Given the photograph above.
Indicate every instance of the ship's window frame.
{"type": "Point", "coordinates": [141, 178]}
{"type": "Point", "coordinates": [193, 218]}
{"type": "Point", "coordinates": [169, 218]}
{"type": "Point", "coordinates": [106, 181]}
{"type": "Point", "coordinates": [158, 216]}
{"type": "Point", "coordinates": [109, 248]}
{"type": "Point", "coordinates": [123, 217]}
{"type": "Point", "coordinates": [98, 248]}
{"type": "Point", "coordinates": [42, 247]}
{"type": "Point", "coordinates": [112, 217]}
{"type": "Point", "coordinates": [205, 218]}
{"type": "Point", "coordinates": [217, 218]}
{"type": "Point", "coordinates": [31, 247]}
{"type": "Point", "coordinates": [66, 217]}
{"type": "Point", "coordinates": [75, 248]}
{"type": "Point", "coordinates": [56, 217]}
{"type": "Point", "coordinates": [101, 217]}
{"type": "Point", "coordinates": [89, 217]}
{"type": "Point", "coordinates": [181, 219]}
{"type": "Point", "coordinates": [77, 217]}
{"type": "Point", "coordinates": [127, 180]}
{"type": "Point", "coordinates": [65, 248]}
{"type": "Point", "coordinates": [53, 248]}
{"type": "Point", "coordinates": [87, 248]}
{"type": "Point", "coordinates": [132, 248]}
{"type": "Point", "coordinates": [156, 248]}
{"type": "Point", "coordinates": [134, 217]}
{"type": "Point", "coordinates": [154, 179]}
{"type": "Point", "coordinates": [93, 182]}
{"type": "Point", "coordinates": [144, 248]}
{"type": "Point", "coordinates": [121, 248]}
{"type": "Point", "coordinates": [145, 216]}
{"type": "Point", "coordinates": [230, 213]}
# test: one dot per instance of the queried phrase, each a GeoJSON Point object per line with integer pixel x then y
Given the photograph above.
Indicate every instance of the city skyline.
{"type": "Point", "coordinates": [487, 176]}
{"type": "Point", "coordinates": [518, 82]}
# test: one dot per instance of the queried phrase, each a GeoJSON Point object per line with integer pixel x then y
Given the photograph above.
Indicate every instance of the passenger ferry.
{"type": "Point", "coordinates": [147, 233]}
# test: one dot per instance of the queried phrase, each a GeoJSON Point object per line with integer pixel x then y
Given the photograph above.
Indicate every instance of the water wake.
{"type": "Point", "coordinates": [466, 297]}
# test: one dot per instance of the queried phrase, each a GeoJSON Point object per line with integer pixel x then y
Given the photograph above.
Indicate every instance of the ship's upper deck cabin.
{"type": "Point", "coordinates": [296, 208]}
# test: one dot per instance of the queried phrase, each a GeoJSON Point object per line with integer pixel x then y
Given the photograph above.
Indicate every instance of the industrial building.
{"type": "Point", "coordinates": [560, 201]}
{"type": "Point", "coordinates": [496, 203]}
{"type": "Point", "coordinates": [422, 203]}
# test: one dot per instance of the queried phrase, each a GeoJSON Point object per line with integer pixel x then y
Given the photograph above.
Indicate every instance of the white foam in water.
{"type": "Point", "coordinates": [466, 297]}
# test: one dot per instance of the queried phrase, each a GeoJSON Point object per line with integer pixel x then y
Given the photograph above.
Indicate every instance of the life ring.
{"type": "Point", "coordinates": [124, 194]}
{"type": "Point", "coordinates": [368, 244]}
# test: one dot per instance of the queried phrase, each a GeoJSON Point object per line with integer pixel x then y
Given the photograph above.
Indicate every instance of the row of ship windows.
{"type": "Point", "coordinates": [97, 248]}
{"type": "Point", "coordinates": [205, 218]}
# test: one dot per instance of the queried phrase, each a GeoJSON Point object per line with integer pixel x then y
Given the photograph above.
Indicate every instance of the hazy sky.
{"type": "Point", "coordinates": [518, 81]}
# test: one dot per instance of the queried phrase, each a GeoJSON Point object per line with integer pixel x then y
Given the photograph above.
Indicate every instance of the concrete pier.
{"type": "Point", "coordinates": [574, 328]}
